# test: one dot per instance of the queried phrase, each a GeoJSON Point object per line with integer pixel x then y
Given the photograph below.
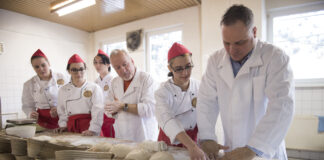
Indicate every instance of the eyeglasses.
{"type": "Point", "coordinates": [95, 62]}
{"type": "Point", "coordinates": [181, 69]}
{"type": "Point", "coordinates": [75, 70]}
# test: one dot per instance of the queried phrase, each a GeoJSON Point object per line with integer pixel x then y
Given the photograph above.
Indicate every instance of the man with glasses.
{"type": "Point", "coordinates": [130, 100]}
{"type": "Point", "coordinates": [250, 84]}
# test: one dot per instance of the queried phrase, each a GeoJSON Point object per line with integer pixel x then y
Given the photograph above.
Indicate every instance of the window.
{"type": "Point", "coordinates": [159, 43]}
{"type": "Point", "coordinates": [116, 45]}
{"type": "Point", "coordinates": [300, 33]}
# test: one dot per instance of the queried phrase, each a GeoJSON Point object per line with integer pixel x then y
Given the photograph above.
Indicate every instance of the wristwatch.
{"type": "Point", "coordinates": [125, 107]}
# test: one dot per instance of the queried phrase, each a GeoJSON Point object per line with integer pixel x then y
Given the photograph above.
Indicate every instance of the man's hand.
{"type": "Point", "coordinates": [34, 115]}
{"type": "Point", "coordinates": [243, 153]}
{"type": "Point", "coordinates": [211, 148]}
{"type": "Point", "coordinates": [60, 129]}
{"type": "Point", "coordinates": [53, 112]}
{"type": "Point", "coordinates": [114, 107]}
{"type": "Point", "coordinates": [88, 133]}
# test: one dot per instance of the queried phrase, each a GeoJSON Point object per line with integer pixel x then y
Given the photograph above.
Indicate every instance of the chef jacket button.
{"type": "Point", "coordinates": [49, 100]}
{"type": "Point", "coordinates": [89, 111]}
{"type": "Point", "coordinates": [192, 94]}
{"type": "Point", "coordinates": [69, 112]}
{"type": "Point", "coordinates": [175, 95]}
{"type": "Point", "coordinates": [190, 127]}
{"type": "Point", "coordinates": [192, 110]}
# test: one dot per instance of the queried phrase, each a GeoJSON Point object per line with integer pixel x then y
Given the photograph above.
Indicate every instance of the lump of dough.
{"type": "Point", "coordinates": [153, 146]}
{"type": "Point", "coordinates": [161, 156]}
{"type": "Point", "coordinates": [138, 154]}
{"type": "Point", "coordinates": [101, 147]}
{"type": "Point", "coordinates": [121, 150]}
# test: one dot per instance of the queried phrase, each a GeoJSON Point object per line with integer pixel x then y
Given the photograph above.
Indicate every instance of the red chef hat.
{"type": "Point", "coordinates": [39, 53]}
{"type": "Point", "coordinates": [102, 52]}
{"type": "Point", "coordinates": [75, 59]}
{"type": "Point", "coordinates": [177, 50]}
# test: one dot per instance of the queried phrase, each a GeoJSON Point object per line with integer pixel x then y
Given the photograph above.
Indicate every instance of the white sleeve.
{"type": "Point", "coordinates": [63, 117]}
{"type": "Point", "coordinates": [168, 123]}
{"type": "Point", "coordinates": [207, 104]}
{"type": "Point", "coordinates": [279, 90]}
{"type": "Point", "coordinates": [96, 110]}
{"type": "Point", "coordinates": [146, 104]}
{"type": "Point", "coordinates": [28, 103]}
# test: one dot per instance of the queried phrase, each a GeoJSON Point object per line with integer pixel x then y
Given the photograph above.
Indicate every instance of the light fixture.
{"type": "Point", "coordinates": [63, 7]}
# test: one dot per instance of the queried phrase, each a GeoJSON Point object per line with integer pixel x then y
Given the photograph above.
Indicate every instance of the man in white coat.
{"type": "Point", "coordinates": [250, 83]}
{"type": "Point", "coordinates": [131, 100]}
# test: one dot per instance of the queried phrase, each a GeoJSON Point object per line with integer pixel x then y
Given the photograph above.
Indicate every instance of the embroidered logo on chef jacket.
{"type": "Point", "coordinates": [60, 81]}
{"type": "Point", "coordinates": [194, 102]}
{"type": "Point", "coordinates": [106, 87]}
{"type": "Point", "coordinates": [87, 93]}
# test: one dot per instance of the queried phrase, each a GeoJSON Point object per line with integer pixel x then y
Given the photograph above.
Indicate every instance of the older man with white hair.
{"type": "Point", "coordinates": [131, 100]}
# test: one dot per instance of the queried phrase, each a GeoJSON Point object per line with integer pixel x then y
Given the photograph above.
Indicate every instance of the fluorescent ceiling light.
{"type": "Point", "coordinates": [69, 6]}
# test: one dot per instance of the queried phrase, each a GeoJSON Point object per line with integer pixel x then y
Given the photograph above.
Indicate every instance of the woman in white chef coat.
{"type": "Point", "coordinates": [39, 98]}
{"type": "Point", "coordinates": [176, 102]}
{"type": "Point", "coordinates": [102, 64]}
{"type": "Point", "coordinates": [80, 103]}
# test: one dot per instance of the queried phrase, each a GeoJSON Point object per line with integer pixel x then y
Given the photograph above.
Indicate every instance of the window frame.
{"type": "Point", "coordinates": [157, 32]}
{"type": "Point", "coordinates": [295, 9]}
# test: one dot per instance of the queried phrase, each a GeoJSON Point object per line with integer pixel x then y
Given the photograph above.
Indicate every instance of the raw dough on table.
{"type": "Point", "coordinates": [121, 150]}
{"type": "Point", "coordinates": [153, 146]}
{"type": "Point", "coordinates": [161, 156]}
{"type": "Point", "coordinates": [101, 147]}
{"type": "Point", "coordinates": [139, 154]}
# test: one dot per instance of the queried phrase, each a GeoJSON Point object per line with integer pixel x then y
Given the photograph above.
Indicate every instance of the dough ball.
{"type": "Point", "coordinates": [121, 150]}
{"type": "Point", "coordinates": [101, 147]}
{"type": "Point", "coordinates": [138, 154]}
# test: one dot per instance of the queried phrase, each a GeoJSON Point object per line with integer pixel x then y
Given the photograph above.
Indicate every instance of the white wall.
{"type": "Point", "coordinates": [22, 35]}
{"type": "Point", "coordinates": [211, 14]}
{"type": "Point", "coordinates": [188, 19]}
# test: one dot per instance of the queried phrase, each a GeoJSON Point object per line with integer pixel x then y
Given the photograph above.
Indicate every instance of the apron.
{"type": "Point", "coordinates": [79, 123]}
{"type": "Point", "coordinates": [107, 129]}
{"type": "Point", "coordinates": [45, 120]}
{"type": "Point", "coordinates": [191, 133]}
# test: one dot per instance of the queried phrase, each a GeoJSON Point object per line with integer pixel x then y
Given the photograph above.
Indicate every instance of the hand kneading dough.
{"type": "Point", "coordinates": [138, 154]}
{"type": "Point", "coordinates": [101, 147]}
{"type": "Point", "coordinates": [121, 150]}
{"type": "Point", "coordinates": [153, 146]}
{"type": "Point", "coordinates": [161, 156]}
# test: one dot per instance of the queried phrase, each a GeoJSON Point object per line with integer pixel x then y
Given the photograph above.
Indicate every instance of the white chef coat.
{"type": "Point", "coordinates": [73, 100]}
{"type": "Point", "coordinates": [256, 106]}
{"type": "Point", "coordinates": [104, 83]}
{"type": "Point", "coordinates": [141, 92]}
{"type": "Point", "coordinates": [174, 109]}
{"type": "Point", "coordinates": [38, 95]}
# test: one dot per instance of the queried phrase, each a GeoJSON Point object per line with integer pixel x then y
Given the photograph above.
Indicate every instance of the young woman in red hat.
{"type": "Point", "coordinates": [80, 103]}
{"type": "Point", "coordinates": [39, 97]}
{"type": "Point", "coordinates": [102, 64]}
{"type": "Point", "coordinates": [176, 103]}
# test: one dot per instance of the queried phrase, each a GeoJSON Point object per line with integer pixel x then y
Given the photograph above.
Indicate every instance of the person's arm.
{"type": "Point", "coordinates": [63, 117]}
{"type": "Point", "coordinates": [279, 93]}
{"type": "Point", "coordinates": [146, 104]}
{"type": "Point", "coordinates": [207, 103]}
{"type": "Point", "coordinates": [28, 103]}
{"type": "Point", "coordinates": [96, 110]}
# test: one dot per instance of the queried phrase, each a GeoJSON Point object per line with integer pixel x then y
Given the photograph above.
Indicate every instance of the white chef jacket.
{"type": "Point", "coordinates": [36, 95]}
{"type": "Point", "coordinates": [141, 92]}
{"type": "Point", "coordinates": [256, 106]}
{"type": "Point", "coordinates": [73, 100]}
{"type": "Point", "coordinates": [174, 108]}
{"type": "Point", "coordinates": [104, 83]}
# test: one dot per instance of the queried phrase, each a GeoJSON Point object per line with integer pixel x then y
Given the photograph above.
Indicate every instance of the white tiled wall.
{"type": "Point", "coordinates": [309, 101]}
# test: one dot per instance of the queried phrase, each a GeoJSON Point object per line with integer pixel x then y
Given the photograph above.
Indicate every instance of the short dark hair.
{"type": "Point", "coordinates": [68, 66]}
{"type": "Point", "coordinates": [105, 60]}
{"type": "Point", "coordinates": [238, 13]}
